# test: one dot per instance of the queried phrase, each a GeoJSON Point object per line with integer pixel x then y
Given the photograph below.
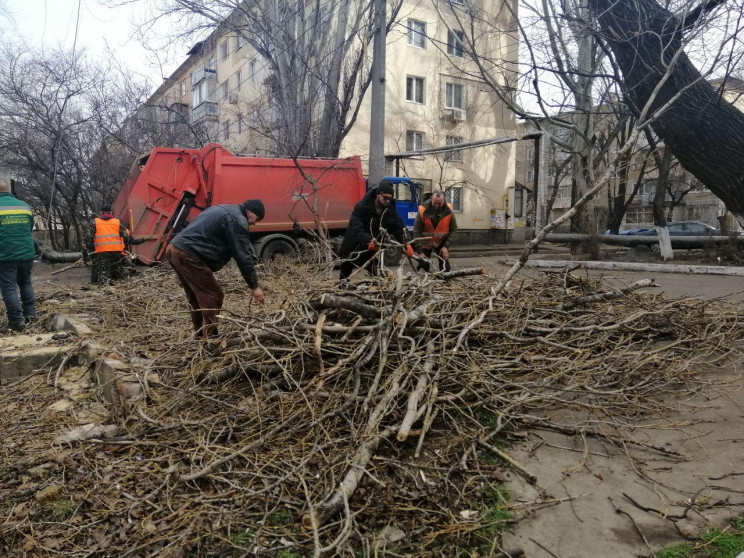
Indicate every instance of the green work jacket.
{"type": "Point", "coordinates": [16, 223]}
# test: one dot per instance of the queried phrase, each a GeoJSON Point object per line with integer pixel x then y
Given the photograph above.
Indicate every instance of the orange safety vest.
{"type": "Point", "coordinates": [107, 237]}
{"type": "Point", "coordinates": [438, 233]}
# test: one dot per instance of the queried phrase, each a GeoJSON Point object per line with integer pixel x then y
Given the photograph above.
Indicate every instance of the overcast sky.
{"type": "Point", "coordinates": [46, 24]}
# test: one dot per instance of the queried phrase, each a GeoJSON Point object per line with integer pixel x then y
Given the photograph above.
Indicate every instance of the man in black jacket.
{"type": "Point", "coordinates": [372, 217]}
{"type": "Point", "coordinates": [218, 234]}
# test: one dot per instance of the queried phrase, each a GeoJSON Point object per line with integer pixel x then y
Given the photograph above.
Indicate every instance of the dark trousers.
{"type": "Point", "coordinates": [106, 268]}
{"type": "Point", "coordinates": [15, 277]}
{"type": "Point", "coordinates": [444, 265]}
{"type": "Point", "coordinates": [204, 294]}
{"type": "Point", "coordinates": [357, 259]}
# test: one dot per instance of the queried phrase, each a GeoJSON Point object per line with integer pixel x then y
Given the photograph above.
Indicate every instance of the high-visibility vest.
{"type": "Point", "coordinates": [107, 237]}
{"type": "Point", "coordinates": [437, 234]}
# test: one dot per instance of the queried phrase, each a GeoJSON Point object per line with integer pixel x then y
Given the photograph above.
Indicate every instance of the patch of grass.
{"type": "Point", "coordinates": [716, 543]}
{"type": "Point", "coordinates": [494, 515]}
{"type": "Point", "coordinates": [242, 539]}
{"type": "Point", "coordinates": [59, 510]}
{"type": "Point", "coordinates": [281, 517]}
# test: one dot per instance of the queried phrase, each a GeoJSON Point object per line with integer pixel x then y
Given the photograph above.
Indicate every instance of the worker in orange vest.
{"type": "Point", "coordinates": [106, 242]}
{"type": "Point", "coordinates": [434, 230]}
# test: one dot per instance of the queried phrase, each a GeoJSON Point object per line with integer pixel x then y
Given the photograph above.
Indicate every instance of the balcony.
{"type": "Point", "coordinates": [204, 73]}
{"type": "Point", "coordinates": [207, 109]}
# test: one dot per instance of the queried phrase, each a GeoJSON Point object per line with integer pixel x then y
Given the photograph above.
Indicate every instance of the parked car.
{"type": "Point", "coordinates": [684, 228]}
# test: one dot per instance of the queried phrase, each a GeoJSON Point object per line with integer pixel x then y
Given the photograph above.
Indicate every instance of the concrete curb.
{"type": "Point", "coordinates": [633, 266]}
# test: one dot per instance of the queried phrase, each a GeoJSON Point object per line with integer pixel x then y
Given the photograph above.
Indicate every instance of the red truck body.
{"type": "Point", "coordinates": [168, 187]}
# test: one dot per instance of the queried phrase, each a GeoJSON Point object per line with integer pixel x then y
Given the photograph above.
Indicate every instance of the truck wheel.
{"type": "Point", "coordinates": [393, 256]}
{"type": "Point", "coordinates": [277, 247]}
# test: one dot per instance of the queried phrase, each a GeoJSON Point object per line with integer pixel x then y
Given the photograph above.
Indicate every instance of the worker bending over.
{"type": "Point", "coordinates": [218, 234]}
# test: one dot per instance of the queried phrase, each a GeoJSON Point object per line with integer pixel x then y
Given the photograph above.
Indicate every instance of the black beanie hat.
{"type": "Point", "coordinates": [254, 206]}
{"type": "Point", "coordinates": [385, 187]}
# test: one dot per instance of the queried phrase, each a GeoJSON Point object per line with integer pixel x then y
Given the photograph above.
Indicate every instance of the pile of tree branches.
{"type": "Point", "coordinates": [339, 421]}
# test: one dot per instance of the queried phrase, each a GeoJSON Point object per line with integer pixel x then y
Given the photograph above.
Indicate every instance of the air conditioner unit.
{"type": "Point", "coordinates": [232, 99]}
{"type": "Point", "coordinates": [458, 115]}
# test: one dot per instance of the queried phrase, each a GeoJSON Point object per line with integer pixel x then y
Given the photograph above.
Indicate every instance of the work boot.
{"type": "Point", "coordinates": [12, 327]}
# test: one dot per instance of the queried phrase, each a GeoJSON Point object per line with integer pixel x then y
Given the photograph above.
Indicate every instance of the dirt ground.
{"type": "Point", "coordinates": [602, 501]}
{"type": "Point", "coordinates": [602, 490]}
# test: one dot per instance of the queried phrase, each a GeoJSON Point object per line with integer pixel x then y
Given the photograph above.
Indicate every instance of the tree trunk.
{"type": "Point", "coordinates": [704, 132]}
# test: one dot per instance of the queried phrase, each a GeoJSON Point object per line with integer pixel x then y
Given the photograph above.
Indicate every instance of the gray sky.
{"type": "Point", "coordinates": [45, 24]}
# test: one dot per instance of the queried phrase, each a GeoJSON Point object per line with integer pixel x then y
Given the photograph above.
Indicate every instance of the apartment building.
{"type": "Point", "coordinates": [224, 92]}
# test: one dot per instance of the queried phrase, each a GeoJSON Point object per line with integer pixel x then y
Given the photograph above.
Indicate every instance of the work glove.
{"type": "Point", "coordinates": [372, 245]}
{"type": "Point", "coordinates": [409, 251]}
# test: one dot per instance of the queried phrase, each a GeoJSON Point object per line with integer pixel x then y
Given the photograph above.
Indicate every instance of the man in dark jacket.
{"type": "Point", "coordinates": [371, 219]}
{"type": "Point", "coordinates": [16, 258]}
{"type": "Point", "coordinates": [218, 234]}
{"type": "Point", "coordinates": [434, 229]}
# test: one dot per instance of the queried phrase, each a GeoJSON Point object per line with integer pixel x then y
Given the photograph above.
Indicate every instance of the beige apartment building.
{"type": "Point", "coordinates": [222, 93]}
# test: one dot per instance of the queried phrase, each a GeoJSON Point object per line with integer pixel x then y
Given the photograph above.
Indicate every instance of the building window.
{"type": "Point", "coordinates": [226, 130]}
{"type": "Point", "coordinates": [223, 51]}
{"type": "Point", "coordinates": [454, 197]}
{"type": "Point", "coordinates": [417, 33]}
{"type": "Point", "coordinates": [252, 68]}
{"type": "Point", "coordinates": [453, 155]}
{"type": "Point", "coordinates": [453, 96]}
{"type": "Point", "coordinates": [183, 88]}
{"type": "Point", "coordinates": [238, 80]}
{"type": "Point", "coordinates": [238, 42]}
{"type": "Point", "coordinates": [530, 175]}
{"type": "Point", "coordinates": [518, 202]}
{"type": "Point", "coordinates": [455, 40]}
{"type": "Point", "coordinates": [531, 155]}
{"type": "Point", "coordinates": [224, 89]}
{"type": "Point", "coordinates": [414, 141]}
{"type": "Point", "coordinates": [415, 89]}
{"type": "Point", "coordinates": [241, 125]}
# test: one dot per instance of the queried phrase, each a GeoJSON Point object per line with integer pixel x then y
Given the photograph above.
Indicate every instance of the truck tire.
{"type": "Point", "coordinates": [277, 247]}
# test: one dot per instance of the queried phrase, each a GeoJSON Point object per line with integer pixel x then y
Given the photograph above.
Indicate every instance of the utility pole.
{"type": "Point", "coordinates": [377, 109]}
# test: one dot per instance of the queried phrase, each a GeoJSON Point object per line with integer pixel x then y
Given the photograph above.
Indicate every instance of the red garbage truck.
{"type": "Point", "coordinates": [168, 187]}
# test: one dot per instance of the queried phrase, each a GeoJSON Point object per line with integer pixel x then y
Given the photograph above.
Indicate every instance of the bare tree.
{"type": "Point", "coordinates": [65, 135]}
{"type": "Point", "coordinates": [703, 131]}
{"type": "Point", "coordinates": [317, 58]}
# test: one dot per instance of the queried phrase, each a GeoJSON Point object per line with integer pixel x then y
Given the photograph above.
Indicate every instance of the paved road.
{"type": "Point", "coordinates": [705, 287]}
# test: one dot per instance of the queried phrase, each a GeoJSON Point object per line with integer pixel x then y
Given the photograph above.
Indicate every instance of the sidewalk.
{"type": "Point", "coordinates": [512, 249]}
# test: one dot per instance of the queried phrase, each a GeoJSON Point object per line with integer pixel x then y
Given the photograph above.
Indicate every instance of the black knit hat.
{"type": "Point", "coordinates": [385, 187]}
{"type": "Point", "coordinates": [105, 208]}
{"type": "Point", "coordinates": [254, 206]}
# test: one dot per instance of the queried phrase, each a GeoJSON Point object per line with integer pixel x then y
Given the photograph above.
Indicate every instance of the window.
{"type": "Point", "coordinates": [455, 41]}
{"type": "Point", "coordinates": [415, 89]}
{"type": "Point", "coordinates": [238, 42]}
{"type": "Point", "coordinates": [518, 202]}
{"type": "Point", "coordinates": [453, 155]}
{"type": "Point", "coordinates": [223, 51]}
{"type": "Point", "coordinates": [241, 125]}
{"type": "Point", "coordinates": [453, 96]}
{"type": "Point", "coordinates": [183, 88]}
{"type": "Point", "coordinates": [238, 80]}
{"type": "Point", "coordinates": [531, 155]}
{"type": "Point", "coordinates": [454, 197]}
{"type": "Point", "coordinates": [224, 88]}
{"type": "Point", "coordinates": [211, 65]}
{"type": "Point", "coordinates": [414, 141]}
{"type": "Point", "coordinates": [226, 130]}
{"type": "Point", "coordinates": [252, 70]}
{"type": "Point", "coordinates": [417, 33]}
{"type": "Point", "coordinates": [530, 175]}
